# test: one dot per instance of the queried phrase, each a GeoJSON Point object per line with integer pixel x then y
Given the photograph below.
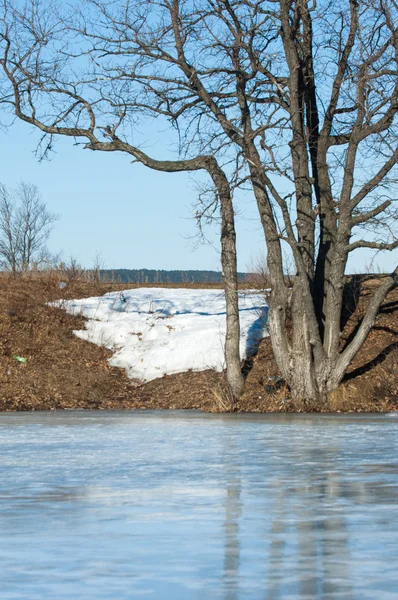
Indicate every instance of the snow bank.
{"type": "Point", "coordinates": [158, 331]}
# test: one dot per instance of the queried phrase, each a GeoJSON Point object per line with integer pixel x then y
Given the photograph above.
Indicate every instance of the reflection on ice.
{"type": "Point", "coordinates": [163, 505]}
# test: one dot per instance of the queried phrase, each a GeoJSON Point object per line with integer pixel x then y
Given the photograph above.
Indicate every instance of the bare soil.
{"type": "Point", "coordinates": [64, 372]}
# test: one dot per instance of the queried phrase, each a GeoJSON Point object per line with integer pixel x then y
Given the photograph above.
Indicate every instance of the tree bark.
{"type": "Point", "coordinates": [235, 378]}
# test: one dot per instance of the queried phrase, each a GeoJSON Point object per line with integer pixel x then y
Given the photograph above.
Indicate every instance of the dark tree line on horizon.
{"type": "Point", "coordinates": [164, 276]}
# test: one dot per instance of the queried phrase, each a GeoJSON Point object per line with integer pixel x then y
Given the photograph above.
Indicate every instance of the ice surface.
{"type": "Point", "coordinates": [160, 331]}
{"type": "Point", "coordinates": [98, 505]}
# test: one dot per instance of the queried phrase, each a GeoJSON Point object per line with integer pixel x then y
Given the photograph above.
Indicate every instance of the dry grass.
{"type": "Point", "coordinates": [224, 400]}
{"type": "Point", "coordinates": [63, 371]}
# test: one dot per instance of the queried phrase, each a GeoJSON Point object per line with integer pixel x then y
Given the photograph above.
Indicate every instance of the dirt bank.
{"type": "Point", "coordinates": [63, 371]}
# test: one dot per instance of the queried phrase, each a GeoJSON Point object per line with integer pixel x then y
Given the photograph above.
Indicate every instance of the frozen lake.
{"type": "Point", "coordinates": [166, 505]}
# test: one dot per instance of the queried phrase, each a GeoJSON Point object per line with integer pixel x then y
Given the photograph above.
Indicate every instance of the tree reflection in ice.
{"type": "Point", "coordinates": [184, 505]}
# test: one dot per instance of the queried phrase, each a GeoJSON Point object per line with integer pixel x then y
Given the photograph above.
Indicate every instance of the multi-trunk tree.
{"type": "Point", "coordinates": [296, 98]}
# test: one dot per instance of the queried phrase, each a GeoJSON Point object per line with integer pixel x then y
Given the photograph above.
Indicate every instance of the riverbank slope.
{"type": "Point", "coordinates": [64, 372]}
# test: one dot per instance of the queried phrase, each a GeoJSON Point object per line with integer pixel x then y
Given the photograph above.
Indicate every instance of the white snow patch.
{"type": "Point", "coordinates": [158, 331]}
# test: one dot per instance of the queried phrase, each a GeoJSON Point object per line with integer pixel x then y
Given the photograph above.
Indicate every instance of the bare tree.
{"type": "Point", "coordinates": [297, 98]}
{"type": "Point", "coordinates": [25, 226]}
{"type": "Point", "coordinates": [44, 25]}
{"type": "Point", "coordinates": [8, 233]}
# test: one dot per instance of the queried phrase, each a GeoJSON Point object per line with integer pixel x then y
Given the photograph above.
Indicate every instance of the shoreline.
{"type": "Point", "coordinates": [63, 372]}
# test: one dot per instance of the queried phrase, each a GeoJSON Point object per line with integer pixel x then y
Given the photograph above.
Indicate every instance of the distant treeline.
{"type": "Point", "coordinates": [153, 276]}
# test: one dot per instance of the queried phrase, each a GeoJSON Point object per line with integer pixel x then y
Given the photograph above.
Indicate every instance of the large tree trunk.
{"type": "Point", "coordinates": [235, 378]}
{"type": "Point", "coordinates": [229, 273]}
{"type": "Point", "coordinates": [296, 345]}
{"type": "Point", "coordinates": [310, 375]}
{"type": "Point", "coordinates": [305, 375]}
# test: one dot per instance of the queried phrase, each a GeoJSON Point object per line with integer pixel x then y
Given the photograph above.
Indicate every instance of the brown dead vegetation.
{"type": "Point", "coordinates": [64, 372]}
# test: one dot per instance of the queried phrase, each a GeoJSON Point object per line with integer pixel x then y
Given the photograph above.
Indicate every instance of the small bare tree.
{"type": "Point", "coordinates": [25, 226]}
{"type": "Point", "coordinates": [8, 232]}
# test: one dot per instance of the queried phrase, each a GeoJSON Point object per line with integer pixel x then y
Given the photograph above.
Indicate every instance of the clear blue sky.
{"type": "Point", "coordinates": [132, 216]}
